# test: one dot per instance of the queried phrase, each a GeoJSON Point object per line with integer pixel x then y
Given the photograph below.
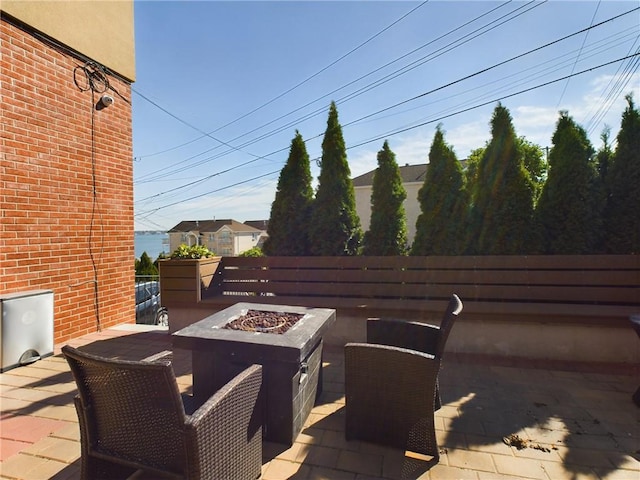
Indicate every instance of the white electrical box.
{"type": "Point", "coordinates": [26, 327]}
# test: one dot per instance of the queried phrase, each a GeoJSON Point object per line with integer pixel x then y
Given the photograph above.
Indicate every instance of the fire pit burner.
{"type": "Point", "coordinates": [264, 321]}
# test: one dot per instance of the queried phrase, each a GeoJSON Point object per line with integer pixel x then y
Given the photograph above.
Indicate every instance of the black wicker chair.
{"type": "Point", "coordinates": [391, 390]}
{"type": "Point", "coordinates": [421, 337]}
{"type": "Point", "coordinates": [132, 417]}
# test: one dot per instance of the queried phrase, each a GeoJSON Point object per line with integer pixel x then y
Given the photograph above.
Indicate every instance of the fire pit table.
{"type": "Point", "coordinates": [285, 340]}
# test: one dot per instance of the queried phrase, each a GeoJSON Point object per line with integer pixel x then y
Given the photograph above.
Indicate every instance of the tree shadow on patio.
{"type": "Point", "coordinates": [582, 423]}
{"type": "Point", "coordinates": [322, 451]}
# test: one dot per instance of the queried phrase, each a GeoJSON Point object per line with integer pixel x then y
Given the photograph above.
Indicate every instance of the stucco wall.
{"type": "Point", "coordinates": [411, 207]}
{"type": "Point", "coordinates": [101, 30]}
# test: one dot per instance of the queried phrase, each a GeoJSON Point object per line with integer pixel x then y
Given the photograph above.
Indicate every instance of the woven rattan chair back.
{"type": "Point", "coordinates": [415, 335]}
{"type": "Point", "coordinates": [130, 410]}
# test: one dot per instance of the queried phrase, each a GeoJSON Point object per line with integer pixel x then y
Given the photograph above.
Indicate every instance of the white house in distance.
{"type": "Point", "coordinates": [226, 237]}
{"type": "Point", "coordinates": [412, 179]}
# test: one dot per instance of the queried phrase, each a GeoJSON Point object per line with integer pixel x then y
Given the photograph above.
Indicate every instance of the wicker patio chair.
{"type": "Point", "coordinates": [391, 393]}
{"type": "Point", "coordinates": [417, 336]}
{"type": "Point", "coordinates": [132, 418]}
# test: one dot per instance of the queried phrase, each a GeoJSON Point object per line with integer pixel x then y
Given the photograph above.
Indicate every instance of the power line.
{"type": "Point", "coordinates": [403, 130]}
{"type": "Point", "coordinates": [493, 101]}
{"type": "Point", "coordinates": [487, 69]}
{"type": "Point", "coordinates": [291, 89]}
{"type": "Point", "coordinates": [149, 178]}
{"type": "Point", "coordinates": [194, 197]}
{"type": "Point", "coordinates": [564, 89]}
{"type": "Point", "coordinates": [409, 100]}
{"type": "Point", "coordinates": [394, 75]}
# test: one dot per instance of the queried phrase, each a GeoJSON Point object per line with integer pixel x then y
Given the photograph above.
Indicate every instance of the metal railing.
{"type": "Point", "coordinates": [149, 309]}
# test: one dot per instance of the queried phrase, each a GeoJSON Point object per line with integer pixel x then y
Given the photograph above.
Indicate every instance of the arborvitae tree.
{"type": "Point", "coordinates": [501, 214]}
{"type": "Point", "coordinates": [335, 226]}
{"type": "Point", "coordinates": [534, 163]}
{"type": "Point", "coordinates": [440, 228]}
{"type": "Point", "coordinates": [387, 234]}
{"type": "Point", "coordinates": [289, 221]}
{"type": "Point", "coordinates": [568, 211]}
{"type": "Point", "coordinates": [145, 266]}
{"type": "Point", "coordinates": [622, 217]}
{"type": "Point", "coordinates": [603, 159]}
{"type": "Point", "coordinates": [471, 173]}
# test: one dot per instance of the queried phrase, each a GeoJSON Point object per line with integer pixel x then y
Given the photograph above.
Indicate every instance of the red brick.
{"type": "Point", "coordinates": [46, 188]}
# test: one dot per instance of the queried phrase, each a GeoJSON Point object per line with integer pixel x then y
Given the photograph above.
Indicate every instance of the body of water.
{"type": "Point", "coordinates": [152, 243]}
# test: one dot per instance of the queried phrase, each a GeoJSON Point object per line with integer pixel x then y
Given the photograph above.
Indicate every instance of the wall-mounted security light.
{"type": "Point", "coordinates": [104, 102]}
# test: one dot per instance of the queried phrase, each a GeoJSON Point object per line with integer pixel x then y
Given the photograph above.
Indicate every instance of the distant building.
{"type": "Point", "coordinates": [412, 179]}
{"type": "Point", "coordinates": [225, 237]}
{"type": "Point", "coordinates": [263, 226]}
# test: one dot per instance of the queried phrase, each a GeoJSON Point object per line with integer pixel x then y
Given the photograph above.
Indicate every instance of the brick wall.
{"type": "Point", "coordinates": [54, 232]}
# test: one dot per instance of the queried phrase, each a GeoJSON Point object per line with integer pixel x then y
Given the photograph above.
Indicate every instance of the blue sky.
{"type": "Point", "coordinates": [222, 87]}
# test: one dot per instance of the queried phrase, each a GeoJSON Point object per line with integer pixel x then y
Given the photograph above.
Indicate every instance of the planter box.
{"type": "Point", "coordinates": [189, 280]}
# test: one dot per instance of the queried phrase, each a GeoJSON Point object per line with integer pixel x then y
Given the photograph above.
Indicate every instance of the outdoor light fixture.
{"type": "Point", "coordinates": [104, 102]}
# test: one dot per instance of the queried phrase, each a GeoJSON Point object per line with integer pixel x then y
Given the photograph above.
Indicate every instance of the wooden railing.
{"type": "Point", "coordinates": [603, 288]}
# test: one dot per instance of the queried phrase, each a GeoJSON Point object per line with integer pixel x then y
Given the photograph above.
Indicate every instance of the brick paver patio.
{"type": "Point", "coordinates": [497, 422]}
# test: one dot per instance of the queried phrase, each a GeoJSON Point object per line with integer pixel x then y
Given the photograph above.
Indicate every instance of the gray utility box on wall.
{"type": "Point", "coordinates": [26, 327]}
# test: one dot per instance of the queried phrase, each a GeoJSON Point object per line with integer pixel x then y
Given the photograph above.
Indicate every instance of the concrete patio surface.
{"type": "Point", "coordinates": [497, 421]}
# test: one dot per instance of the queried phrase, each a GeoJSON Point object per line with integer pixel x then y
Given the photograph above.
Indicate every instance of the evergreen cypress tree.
{"type": "Point", "coordinates": [440, 228]}
{"type": "Point", "coordinates": [501, 215]}
{"type": "Point", "coordinates": [335, 226]}
{"type": "Point", "coordinates": [289, 220]}
{"type": "Point", "coordinates": [622, 217]}
{"type": "Point", "coordinates": [145, 266]}
{"type": "Point", "coordinates": [534, 163]}
{"type": "Point", "coordinates": [603, 159]}
{"type": "Point", "coordinates": [568, 211]}
{"type": "Point", "coordinates": [387, 234]}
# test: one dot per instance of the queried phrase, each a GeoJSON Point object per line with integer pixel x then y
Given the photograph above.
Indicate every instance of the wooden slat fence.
{"type": "Point", "coordinates": [569, 288]}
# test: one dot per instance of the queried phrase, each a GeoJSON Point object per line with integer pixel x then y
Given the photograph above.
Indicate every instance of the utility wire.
{"type": "Point", "coordinates": [397, 104]}
{"type": "Point", "coordinates": [622, 80]}
{"type": "Point", "coordinates": [291, 89]}
{"type": "Point", "coordinates": [145, 179]}
{"type": "Point", "coordinates": [403, 130]}
{"type": "Point", "coordinates": [376, 83]}
{"type": "Point", "coordinates": [564, 89]}
{"type": "Point", "coordinates": [184, 122]}
{"type": "Point", "coordinates": [208, 193]}
{"type": "Point", "coordinates": [493, 101]}
{"type": "Point", "coordinates": [352, 95]}
{"type": "Point", "coordinates": [484, 70]}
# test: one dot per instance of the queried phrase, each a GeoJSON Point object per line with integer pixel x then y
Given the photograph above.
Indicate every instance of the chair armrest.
{"type": "Point", "coordinates": [164, 356]}
{"type": "Point", "coordinates": [224, 435]}
{"type": "Point", "coordinates": [387, 360]}
{"type": "Point", "coordinates": [398, 373]}
{"type": "Point", "coordinates": [401, 333]}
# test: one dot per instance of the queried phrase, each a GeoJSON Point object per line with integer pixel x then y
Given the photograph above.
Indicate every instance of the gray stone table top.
{"type": "Point", "coordinates": [292, 346]}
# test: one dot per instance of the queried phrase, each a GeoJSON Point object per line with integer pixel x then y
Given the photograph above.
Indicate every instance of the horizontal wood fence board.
{"type": "Point", "coordinates": [569, 288]}
{"type": "Point", "coordinates": [490, 277]}
{"type": "Point", "coordinates": [508, 311]}
{"type": "Point", "coordinates": [549, 262]}
{"type": "Point", "coordinates": [565, 294]}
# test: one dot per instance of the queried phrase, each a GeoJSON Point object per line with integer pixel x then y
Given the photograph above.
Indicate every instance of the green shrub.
{"type": "Point", "coordinates": [192, 251]}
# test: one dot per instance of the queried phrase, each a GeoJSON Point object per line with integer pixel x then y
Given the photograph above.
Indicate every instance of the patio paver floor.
{"type": "Point", "coordinates": [572, 424]}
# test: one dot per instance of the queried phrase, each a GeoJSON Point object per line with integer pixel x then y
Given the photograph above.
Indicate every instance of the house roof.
{"type": "Point", "coordinates": [259, 224]}
{"type": "Point", "coordinates": [408, 173]}
{"type": "Point", "coordinates": [212, 226]}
